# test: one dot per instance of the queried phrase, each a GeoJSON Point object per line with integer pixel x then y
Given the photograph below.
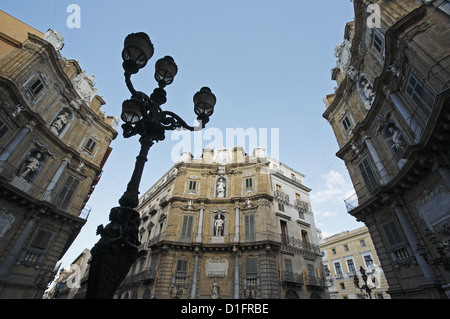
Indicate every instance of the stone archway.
{"type": "Point", "coordinates": [291, 294]}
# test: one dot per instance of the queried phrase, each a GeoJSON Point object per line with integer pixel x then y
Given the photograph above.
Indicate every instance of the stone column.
{"type": "Point", "coordinates": [15, 251]}
{"type": "Point", "coordinates": [427, 270]}
{"type": "Point", "coordinates": [236, 273]}
{"type": "Point", "coordinates": [195, 275]}
{"type": "Point", "coordinates": [378, 162]}
{"type": "Point", "coordinates": [48, 191]}
{"type": "Point", "coordinates": [415, 127]}
{"type": "Point", "coordinates": [198, 239]}
{"type": "Point", "coordinates": [236, 224]}
{"type": "Point", "coordinates": [4, 155]}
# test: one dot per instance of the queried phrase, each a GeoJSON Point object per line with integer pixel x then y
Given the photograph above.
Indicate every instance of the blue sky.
{"type": "Point", "coordinates": [268, 63]}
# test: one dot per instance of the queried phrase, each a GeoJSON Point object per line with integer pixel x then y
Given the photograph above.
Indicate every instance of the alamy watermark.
{"type": "Point", "coordinates": [212, 138]}
{"type": "Point", "coordinates": [374, 18]}
{"type": "Point", "coordinates": [74, 19]}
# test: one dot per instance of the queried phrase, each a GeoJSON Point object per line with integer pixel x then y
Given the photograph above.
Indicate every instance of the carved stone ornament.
{"type": "Point", "coordinates": [216, 267]}
{"type": "Point", "coordinates": [434, 206]}
{"type": "Point", "coordinates": [84, 85]}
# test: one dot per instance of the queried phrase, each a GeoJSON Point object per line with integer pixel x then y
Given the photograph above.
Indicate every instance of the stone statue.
{"type": "Point", "coordinates": [32, 164]}
{"type": "Point", "coordinates": [218, 225]}
{"type": "Point", "coordinates": [221, 187]}
{"type": "Point", "coordinates": [59, 123]}
{"type": "Point", "coordinates": [215, 290]}
{"type": "Point", "coordinates": [397, 141]}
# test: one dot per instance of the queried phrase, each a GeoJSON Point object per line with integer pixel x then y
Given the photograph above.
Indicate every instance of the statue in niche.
{"type": "Point", "coordinates": [366, 91]}
{"type": "Point", "coordinates": [32, 164]}
{"type": "Point", "coordinates": [219, 225]}
{"type": "Point", "coordinates": [395, 139]}
{"type": "Point", "coordinates": [221, 187]}
{"type": "Point", "coordinates": [215, 290]}
{"type": "Point", "coordinates": [59, 123]}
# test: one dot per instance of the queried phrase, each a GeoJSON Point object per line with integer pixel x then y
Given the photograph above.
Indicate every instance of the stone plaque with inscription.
{"type": "Point", "coordinates": [216, 267]}
{"type": "Point", "coordinates": [434, 207]}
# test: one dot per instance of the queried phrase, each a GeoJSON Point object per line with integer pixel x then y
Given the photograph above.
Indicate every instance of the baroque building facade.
{"type": "Point", "coordinates": [390, 114]}
{"type": "Point", "coordinates": [54, 141]}
{"type": "Point", "coordinates": [344, 255]}
{"type": "Point", "coordinates": [230, 226]}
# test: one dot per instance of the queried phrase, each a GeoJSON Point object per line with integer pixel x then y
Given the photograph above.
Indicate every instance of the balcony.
{"type": "Point", "coordinates": [281, 197]}
{"type": "Point", "coordinates": [142, 277]}
{"type": "Point", "coordinates": [315, 282]}
{"type": "Point", "coordinates": [292, 278]}
{"type": "Point", "coordinates": [291, 244]}
{"type": "Point", "coordinates": [301, 206]}
{"type": "Point", "coordinates": [8, 174]}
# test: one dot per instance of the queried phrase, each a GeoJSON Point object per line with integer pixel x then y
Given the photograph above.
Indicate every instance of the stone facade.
{"type": "Point", "coordinates": [53, 145]}
{"type": "Point", "coordinates": [344, 254]}
{"type": "Point", "coordinates": [390, 115]}
{"type": "Point", "coordinates": [229, 226]}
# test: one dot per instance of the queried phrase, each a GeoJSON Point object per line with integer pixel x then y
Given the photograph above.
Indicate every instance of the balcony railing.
{"type": "Point", "coordinates": [281, 197]}
{"type": "Point", "coordinates": [286, 242]}
{"type": "Point", "coordinates": [8, 173]}
{"type": "Point", "coordinates": [293, 278]}
{"type": "Point", "coordinates": [302, 206]}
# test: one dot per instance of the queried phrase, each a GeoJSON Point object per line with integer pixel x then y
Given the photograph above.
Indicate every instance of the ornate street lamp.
{"type": "Point", "coordinates": [364, 287]}
{"type": "Point", "coordinates": [117, 249]}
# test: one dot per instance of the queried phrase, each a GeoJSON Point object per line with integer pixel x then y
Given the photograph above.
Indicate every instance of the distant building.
{"type": "Point", "coordinates": [390, 114]}
{"type": "Point", "coordinates": [227, 225]}
{"type": "Point", "coordinates": [344, 254]}
{"type": "Point", "coordinates": [72, 283]}
{"type": "Point", "coordinates": [54, 141]}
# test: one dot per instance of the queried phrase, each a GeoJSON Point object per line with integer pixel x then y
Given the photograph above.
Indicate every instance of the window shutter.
{"type": "Point", "coordinates": [368, 175]}
{"type": "Point", "coordinates": [41, 239]}
{"type": "Point", "coordinates": [186, 229]}
{"type": "Point", "coordinates": [67, 191]}
{"type": "Point", "coordinates": [392, 233]}
{"type": "Point", "coordinates": [249, 222]}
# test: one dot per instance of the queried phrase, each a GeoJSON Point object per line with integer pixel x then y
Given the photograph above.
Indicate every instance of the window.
{"type": "Point", "coordinates": [251, 268]}
{"type": "Point", "coordinates": [363, 243]}
{"type": "Point", "coordinates": [249, 225]}
{"type": "Point", "coordinates": [248, 183]}
{"type": "Point", "coordinates": [342, 285]}
{"type": "Point", "coordinates": [182, 267]}
{"type": "Point", "coordinates": [36, 87]}
{"type": "Point", "coordinates": [90, 145]}
{"type": "Point", "coordinates": [368, 260]}
{"type": "Point", "coordinates": [3, 129]}
{"type": "Point", "coordinates": [351, 265]}
{"type": "Point", "coordinates": [288, 266]}
{"type": "Point", "coordinates": [392, 233]}
{"type": "Point", "coordinates": [346, 123]}
{"type": "Point", "coordinates": [192, 185]}
{"type": "Point", "coordinates": [334, 251]}
{"type": "Point", "coordinates": [337, 267]}
{"type": "Point", "coordinates": [42, 239]}
{"type": "Point", "coordinates": [311, 272]}
{"type": "Point", "coordinates": [378, 42]}
{"type": "Point", "coordinates": [280, 207]}
{"type": "Point", "coordinates": [186, 229]}
{"type": "Point", "coordinates": [67, 191]}
{"type": "Point", "coordinates": [368, 175]}
{"type": "Point", "coordinates": [346, 247]}
{"type": "Point", "coordinates": [417, 92]}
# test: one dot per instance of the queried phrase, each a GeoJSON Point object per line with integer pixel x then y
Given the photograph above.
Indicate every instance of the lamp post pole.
{"type": "Point", "coordinates": [117, 248]}
{"type": "Point", "coordinates": [364, 287]}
